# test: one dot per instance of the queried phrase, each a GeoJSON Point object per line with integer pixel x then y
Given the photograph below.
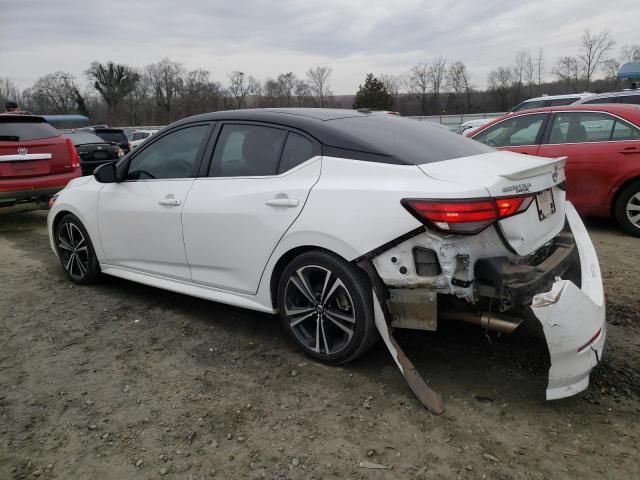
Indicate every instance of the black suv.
{"type": "Point", "coordinates": [110, 135]}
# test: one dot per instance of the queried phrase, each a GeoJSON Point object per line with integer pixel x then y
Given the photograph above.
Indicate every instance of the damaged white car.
{"type": "Point", "coordinates": [349, 225]}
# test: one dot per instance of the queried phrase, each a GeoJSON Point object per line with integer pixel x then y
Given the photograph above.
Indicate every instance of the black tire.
{"type": "Point", "coordinates": [75, 251]}
{"type": "Point", "coordinates": [628, 202]}
{"type": "Point", "coordinates": [321, 330]}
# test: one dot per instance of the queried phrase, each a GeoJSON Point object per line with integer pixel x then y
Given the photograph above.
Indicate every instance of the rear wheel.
{"type": "Point", "coordinates": [627, 209]}
{"type": "Point", "coordinates": [325, 306]}
{"type": "Point", "coordinates": [75, 251]}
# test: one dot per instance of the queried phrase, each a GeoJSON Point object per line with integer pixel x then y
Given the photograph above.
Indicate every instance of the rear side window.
{"type": "Point", "coordinates": [23, 129]}
{"type": "Point", "coordinates": [247, 151]}
{"type": "Point", "coordinates": [512, 132]}
{"type": "Point", "coordinates": [117, 137]}
{"type": "Point", "coordinates": [297, 150]}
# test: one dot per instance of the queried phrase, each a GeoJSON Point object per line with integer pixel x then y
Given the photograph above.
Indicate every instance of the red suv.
{"type": "Point", "coordinates": [602, 146]}
{"type": "Point", "coordinates": [35, 160]}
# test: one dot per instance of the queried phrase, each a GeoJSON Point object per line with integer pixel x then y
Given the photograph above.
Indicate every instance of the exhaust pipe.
{"type": "Point", "coordinates": [493, 321]}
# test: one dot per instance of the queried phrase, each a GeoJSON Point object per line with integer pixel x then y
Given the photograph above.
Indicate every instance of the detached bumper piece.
{"type": "Point", "coordinates": [515, 285]}
{"type": "Point", "coordinates": [573, 319]}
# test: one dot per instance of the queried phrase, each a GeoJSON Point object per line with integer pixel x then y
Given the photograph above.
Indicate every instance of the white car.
{"type": "Point", "coordinates": [138, 136]}
{"type": "Point", "coordinates": [347, 224]}
{"type": "Point", "coordinates": [551, 101]}
{"type": "Point", "coordinates": [470, 126]}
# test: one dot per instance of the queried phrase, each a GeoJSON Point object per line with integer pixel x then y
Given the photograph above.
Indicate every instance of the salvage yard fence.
{"type": "Point", "coordinates": [454, 121]}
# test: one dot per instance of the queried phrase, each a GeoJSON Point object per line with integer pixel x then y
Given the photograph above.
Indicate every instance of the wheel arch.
{"type": "Point", "coordinates": [618, 192]}
{"type": "Point", "coordinates": [282, 263]}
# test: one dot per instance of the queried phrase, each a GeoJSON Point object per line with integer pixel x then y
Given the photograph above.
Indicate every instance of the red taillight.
{"type": "Point", "coordinates": [465, 216]}
{"type": "Point", "coordinates": [73, 154]}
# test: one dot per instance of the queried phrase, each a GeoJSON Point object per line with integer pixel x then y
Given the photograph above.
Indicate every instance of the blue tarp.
{"type": "Point", "coordinates": [629, 71]}
{"type": "Point", "coordinates": [65, 118]}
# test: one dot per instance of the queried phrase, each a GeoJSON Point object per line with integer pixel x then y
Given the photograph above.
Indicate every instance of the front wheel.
{"type": "Point", "coordinates": [325, 305]}
{"type": "Point", "coordinates": [75, 251]}
{"type": "Point", "coordinates": [627, 209]}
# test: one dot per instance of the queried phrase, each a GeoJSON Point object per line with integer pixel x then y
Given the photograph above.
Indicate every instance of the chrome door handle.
{"type": "Point", "coordinates": [169, 202]}
{"type": "Point", "coordinates": [282, 202]}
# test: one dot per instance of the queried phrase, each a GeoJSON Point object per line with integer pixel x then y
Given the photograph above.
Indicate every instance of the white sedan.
{"type": "Point", "coordinates": [137, 137]}
{"type": "Point", "coordinates": [347, 224]}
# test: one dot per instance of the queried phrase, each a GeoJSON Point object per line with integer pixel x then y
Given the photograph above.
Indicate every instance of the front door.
{"type": "Point", "coordinates": [258, 183]}
{"type": "Point", "coordinates": [139, 219]}
{"type": "Point", "coordinates": [593, 143]}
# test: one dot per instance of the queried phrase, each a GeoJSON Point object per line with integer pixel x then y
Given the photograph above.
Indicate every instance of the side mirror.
{"type": "Point", "coordinates": [106, 173]}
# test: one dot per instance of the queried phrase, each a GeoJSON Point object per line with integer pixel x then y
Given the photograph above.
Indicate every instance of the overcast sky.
{"type": "Point", "coordinates": [264, 38]}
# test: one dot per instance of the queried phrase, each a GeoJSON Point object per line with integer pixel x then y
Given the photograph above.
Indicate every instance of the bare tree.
{"type": "Point", "coordinates": [436, 75]}
{"type": "Point", "coordinates": [113, 81]}
{"type": "Point", "coordinates": [166, 79]}
{"type": "Point", "coordinates": [520, 63]}
{"type": "Point", "coordinates": [530, 73]}
{"type": "Point", "coordinates": [457, 79]}
{"type": "Point", "coordinates": [500, 82]}
{"type": "Point", "coordinates": [9, 91]}
{"type": "Point", "coordinates": [592, 53]}
{"type": "Point", "coordinates": [302, 93]}
{"type": "Point", "coordinates": [420, 84]}
{"type": "Point", "coordinates": [55, 93]}
{"type": "Point", "coordinates": [392, 85]}
{"type": "Point", "coordinates": [241, 85]}
{"type": "Point", "coordinates": [318, 82]}
{"type": "Point", "coordinates": [200, 94]}
{"type": "Point", "coordinates": [610, 68]}
{"type": "Point", "coordinates": [567, 69]}
{"type": "Point", "coordinates": [630, 53]}
{"type": "Point", "coordinates": [539, 63]}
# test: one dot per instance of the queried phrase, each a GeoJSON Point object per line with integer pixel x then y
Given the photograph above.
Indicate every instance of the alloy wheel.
{"type": "Point", "coordinates": [633, 210]}
{"type": "Point", "coordinates": [74, 250]}
{"type": "Point", "coordinates": [319, 310]}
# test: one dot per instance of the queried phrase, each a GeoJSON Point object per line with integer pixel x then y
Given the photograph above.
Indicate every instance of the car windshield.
{"type": "Point", "coordinates": [84, 138]}
{"type": "Point", "coordinates": [410, 141]}
{"type": "Point", "coordinates": [25, 128]}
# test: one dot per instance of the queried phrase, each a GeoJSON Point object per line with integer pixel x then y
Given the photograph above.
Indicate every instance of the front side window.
{"type": "Point", "coordinates": [635, 99]}
{"type": "Point", "coordinates": [172, 156]}
{"type": "Point", "coordinates": [624, 131]}
{"type": "Point", "coordinates": [563, 101]}
{"type": "Point", "coordinates": [514, 131]}
{"type": "Point", "coordinates": [529, 105]}
{"type": "Point", "coordinates": [247, 151]}
{"type": "Point", "coordinates": [581, 127]}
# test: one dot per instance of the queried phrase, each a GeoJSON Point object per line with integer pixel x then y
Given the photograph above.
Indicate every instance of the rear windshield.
{"type": "Point", "coordinates": [25, 128]}
{"type": "Point", "coordinates": [112, 136]}
{"type": "Point", "coordinates": [84, 138]}
{"type": "Point", "coordinates": [409, 141]}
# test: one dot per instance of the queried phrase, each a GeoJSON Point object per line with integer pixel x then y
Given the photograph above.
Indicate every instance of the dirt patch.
{"type": "Point", "coordinates": [121, 380]}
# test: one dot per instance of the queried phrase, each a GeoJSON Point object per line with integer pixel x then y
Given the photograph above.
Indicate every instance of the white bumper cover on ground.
{"type": "Point", "coordinates": [573, 319]}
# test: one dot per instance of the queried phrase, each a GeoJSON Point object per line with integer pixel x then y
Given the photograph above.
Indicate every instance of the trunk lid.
{"type": "Point", "coordinates": [30, 147]}
{"type": "Point", "coordinates": [508, 174]}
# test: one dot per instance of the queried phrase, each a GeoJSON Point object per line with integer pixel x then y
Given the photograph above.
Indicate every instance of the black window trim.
{"type": "Point", "coordinates": [207, 160]}
{"type": "Point", "coordinates": [547, 133]}
{"type": "Point", "coordinates": [539, 136]}
{"type": "Point", "coordinates": [122, 167]}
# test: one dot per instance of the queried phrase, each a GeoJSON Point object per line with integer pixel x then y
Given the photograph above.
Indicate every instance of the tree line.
{"type": "Point", "coordinates": [162, 92]}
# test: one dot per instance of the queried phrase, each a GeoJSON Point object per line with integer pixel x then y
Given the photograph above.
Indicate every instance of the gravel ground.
{"type": "Point", "coordinates": [123, 381]}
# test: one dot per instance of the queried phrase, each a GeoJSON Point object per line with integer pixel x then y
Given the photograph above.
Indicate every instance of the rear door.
{"type": "Point", "coordinates": [30, 147]}
{"type": "Point", "coordinates": [592, 158]}
{"type": "Point", "coordinates": [256, 186]}
{"type": "Point", "coordinates": [517, 133]}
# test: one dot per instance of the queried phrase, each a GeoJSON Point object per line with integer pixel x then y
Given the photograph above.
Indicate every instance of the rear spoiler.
{"type": "Point", "coordinates": [553, 164]}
